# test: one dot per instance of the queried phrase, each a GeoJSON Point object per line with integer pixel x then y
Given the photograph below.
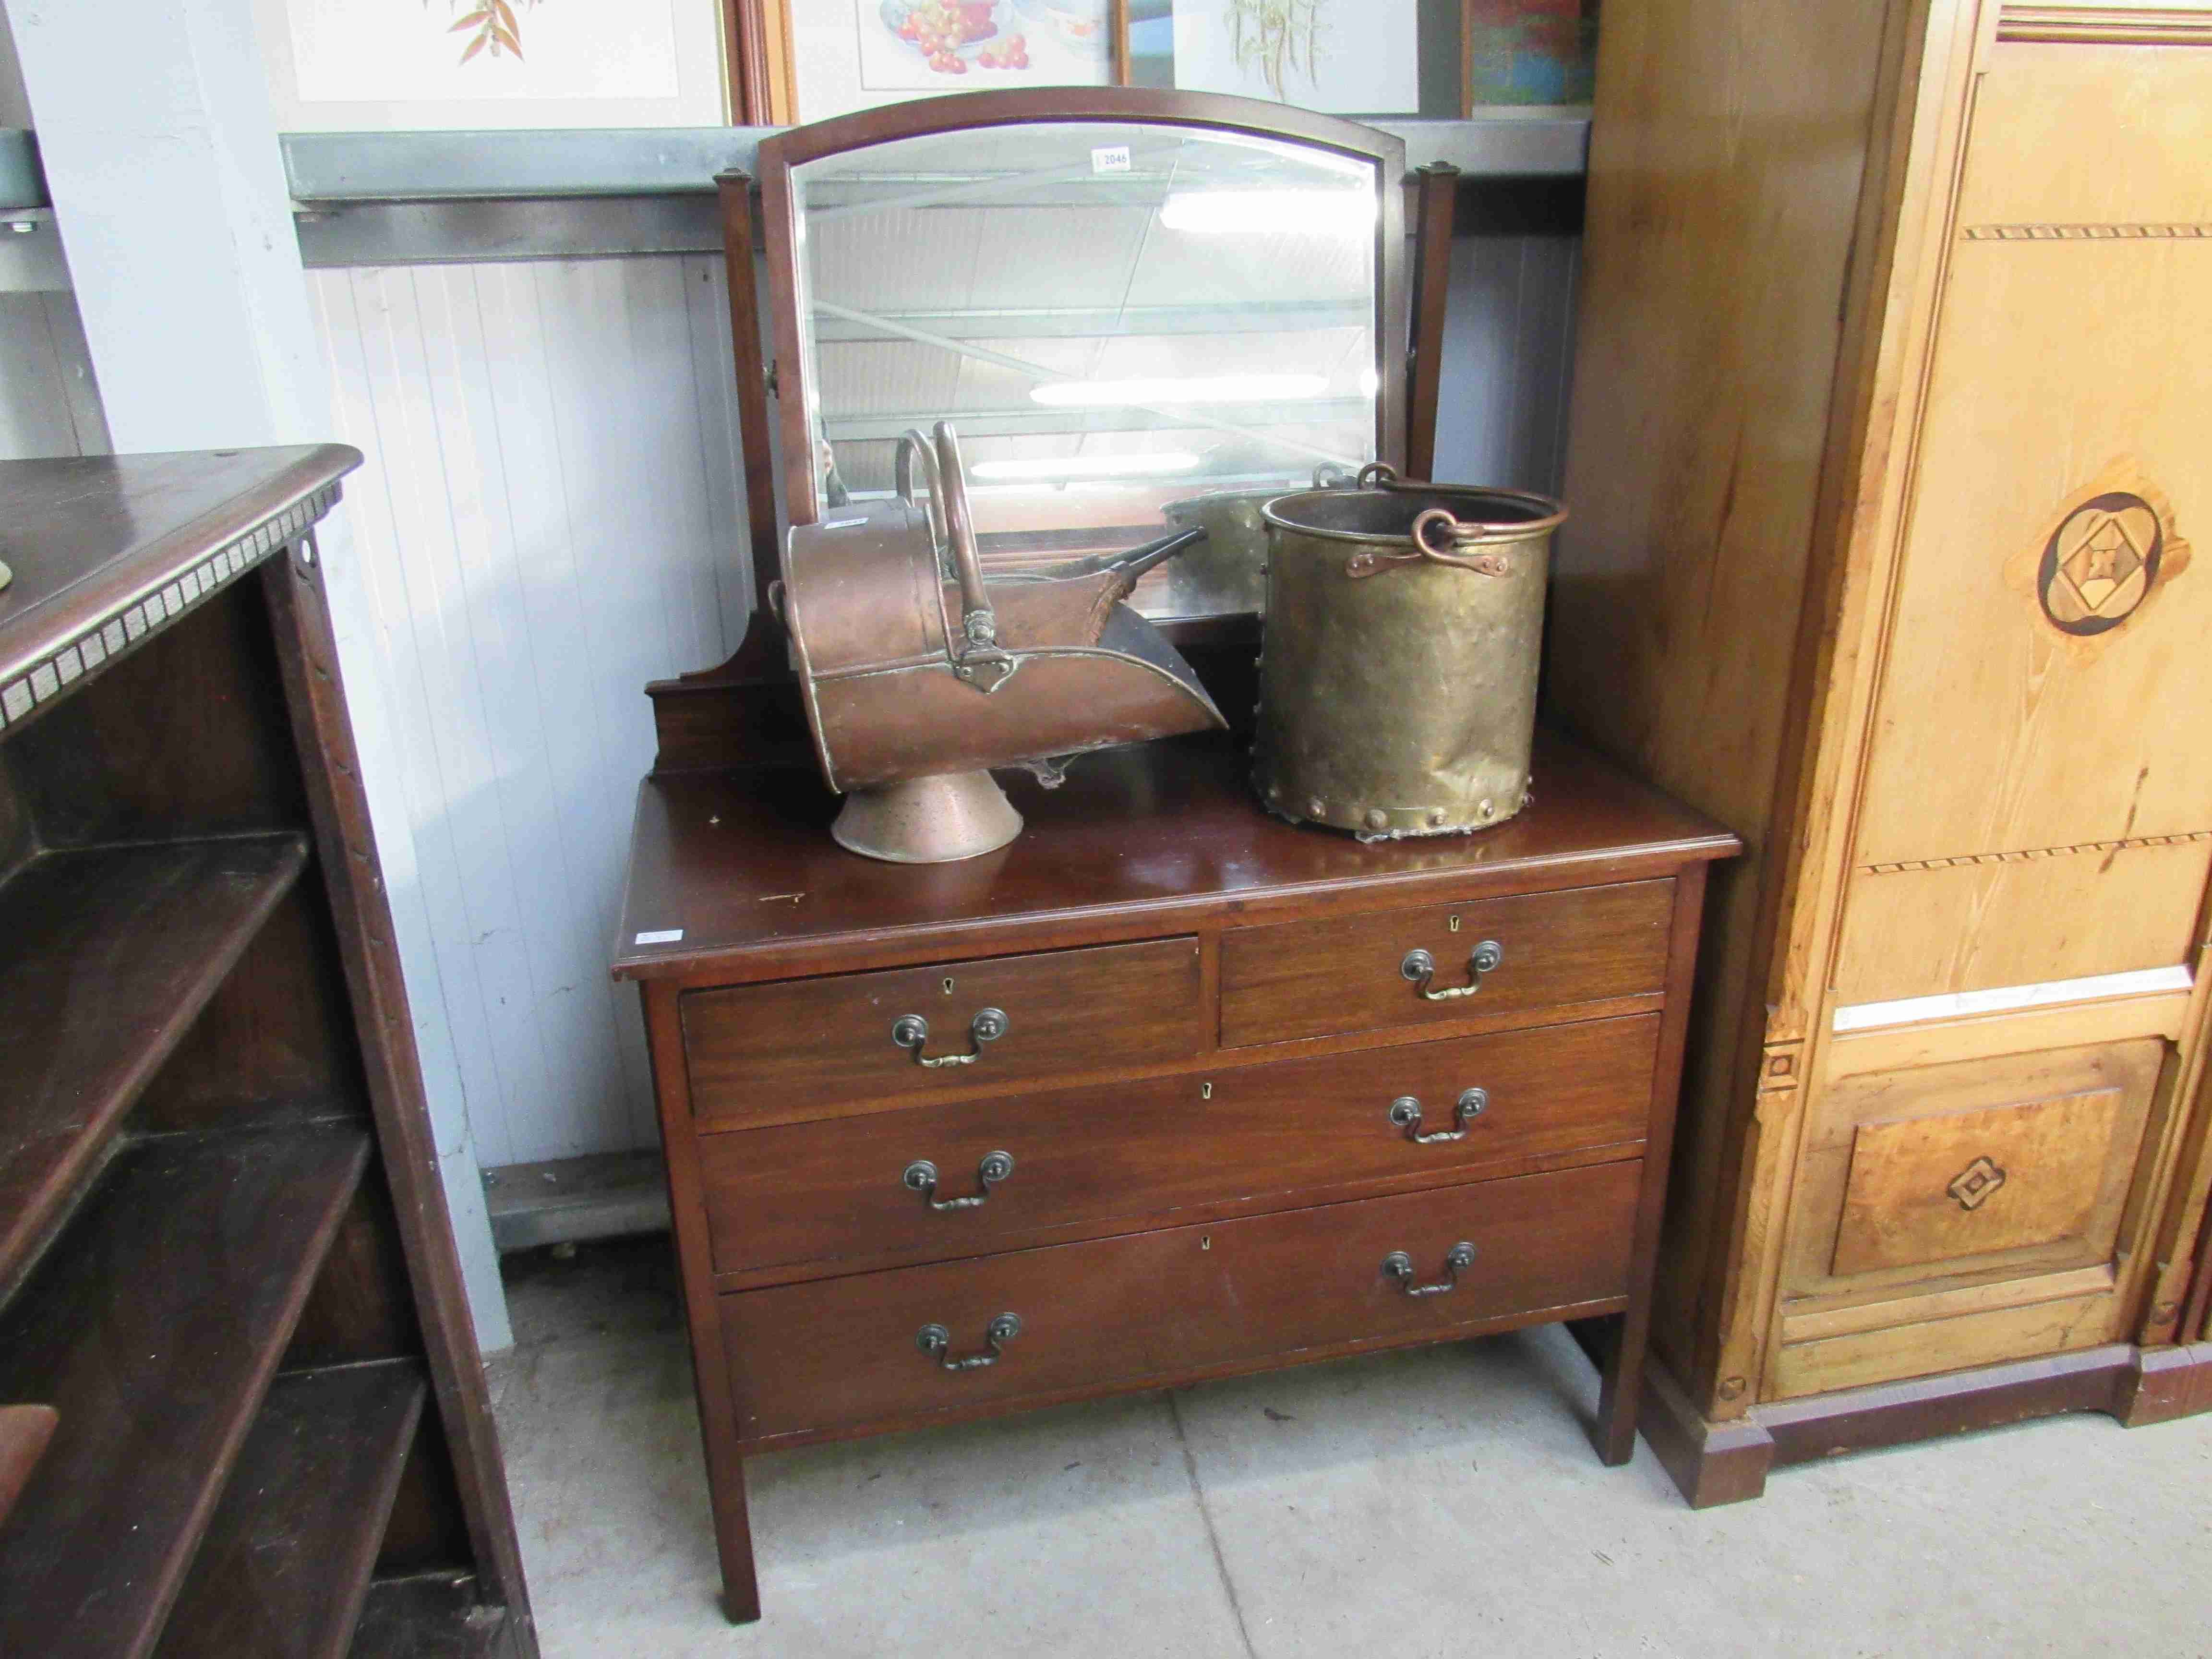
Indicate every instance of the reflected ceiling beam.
{"type": "Point", "coordinates": [1067, 423]}
{"type": "Point", "coordinates": [1180, 416]}
{"type": "Point", "coordinates": [1110, 322]}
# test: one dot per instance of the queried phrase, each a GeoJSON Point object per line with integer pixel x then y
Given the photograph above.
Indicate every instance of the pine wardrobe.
{"type": "Point", "coordinates": [1887, 452]}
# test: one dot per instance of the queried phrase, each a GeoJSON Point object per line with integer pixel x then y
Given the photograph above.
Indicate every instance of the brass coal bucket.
{"type": "Point", "coordinates": [919, 675]}
{"type": "Point", "coordinates": [1398, 672]}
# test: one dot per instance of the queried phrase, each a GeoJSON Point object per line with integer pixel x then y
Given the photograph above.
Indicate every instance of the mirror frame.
{"type": "Point", "coordinates": [1063, 106]}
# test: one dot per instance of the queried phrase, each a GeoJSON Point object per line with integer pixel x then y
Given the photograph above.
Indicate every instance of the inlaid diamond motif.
{"type": "Point", "coordinates": [2104, 561]}
{"type": "Point", "coordinates": [1972, 1185]}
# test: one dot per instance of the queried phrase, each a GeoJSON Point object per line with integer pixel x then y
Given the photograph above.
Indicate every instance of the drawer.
{"type": "Point", "coordinates": [1306, 979]}
{"type": "Point", "coordinates": [842, 1355]}
{"type": "Point", "coordinates": [834, 1195]}
{"type": "Point", "coordinates": [796, 1045]}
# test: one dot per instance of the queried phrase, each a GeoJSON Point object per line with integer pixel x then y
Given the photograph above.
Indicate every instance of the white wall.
{"type": "Point", "coordinates": [551, 515]}
{"type": "Point", "coordinates": [15, 100]}
{"type": "Point", "coordinates": [49, 404]}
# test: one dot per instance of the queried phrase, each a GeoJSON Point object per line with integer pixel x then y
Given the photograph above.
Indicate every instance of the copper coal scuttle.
{"type": "Point", "coordinates": [919, 676]}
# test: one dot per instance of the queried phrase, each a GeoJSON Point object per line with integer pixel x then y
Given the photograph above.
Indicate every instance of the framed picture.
{"type": "Point", "coordinates": [857, 54]}
{"type": "Point", "coordinates": [378, 65]}
{"type": "Point", "coordinates": [1350, 56]}
{"type": "Point", "coordinates": [1530, 51]}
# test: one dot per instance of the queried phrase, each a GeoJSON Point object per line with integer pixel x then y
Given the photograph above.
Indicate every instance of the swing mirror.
{"type": "Point", "coordinates": [1123, 299]}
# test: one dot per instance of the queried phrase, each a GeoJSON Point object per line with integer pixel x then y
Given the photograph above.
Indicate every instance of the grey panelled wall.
{"type": "Point", "coordinates": [49, 404]}
{"type": "Point", "coordinates": [550, 516]}
{"type": "Point", "coordinates": [547, 521]}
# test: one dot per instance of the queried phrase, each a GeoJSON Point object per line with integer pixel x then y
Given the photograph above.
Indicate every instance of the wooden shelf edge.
{"type": "Point", "coordinates": [24, 1432]}
{"type": "Point", "coordinates": [154, 1328]}
{"type": "Point", "coordinates": [285, 1565]}
{"type": "Point", "coordinates": [432, 1615]}
{"type": "Point", "coordinates": [113, 953]}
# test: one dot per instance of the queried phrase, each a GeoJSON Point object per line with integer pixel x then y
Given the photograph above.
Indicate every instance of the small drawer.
{"type": "Point", "coordinates": [1307, 979]}
{"type": "Point", "coordinates": [796, 1045]}
{"type": "Point", "coordinates": [834, 1196]}
{"type": "Point", "coordinates": [863, 1353]}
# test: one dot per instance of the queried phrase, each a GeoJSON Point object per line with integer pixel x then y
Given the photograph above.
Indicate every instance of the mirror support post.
{"type": "Point", "coordinates": [1437, 187]}
{"type": "Point", "coordinates": [736, 192]}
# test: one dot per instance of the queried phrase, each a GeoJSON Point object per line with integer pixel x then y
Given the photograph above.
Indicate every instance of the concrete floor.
{"type": "Point", "coordinates": [1442, 1502]}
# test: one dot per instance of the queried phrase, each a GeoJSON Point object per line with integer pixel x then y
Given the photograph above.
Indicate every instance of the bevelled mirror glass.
{"type": "Point", "coordinates": [1117, 315]}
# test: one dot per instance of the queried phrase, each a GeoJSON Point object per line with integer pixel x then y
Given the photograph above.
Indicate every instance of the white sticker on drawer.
{"type": "Point", "coordinates": [661, 936]}
{"type": "Point", "coordinates": [1110, 158]}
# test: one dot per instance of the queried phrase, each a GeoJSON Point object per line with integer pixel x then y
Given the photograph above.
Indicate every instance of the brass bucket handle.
{"type": "Point", "coordinates": [913, 446]}
{"type": "Point", "coordinates": [977, 657]}
{"type": "Point", "coordinates": [1368, 562]}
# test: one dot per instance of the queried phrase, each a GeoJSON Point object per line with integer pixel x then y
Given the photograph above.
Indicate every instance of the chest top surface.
{"type": "Point", "coordinates": [734, 876]}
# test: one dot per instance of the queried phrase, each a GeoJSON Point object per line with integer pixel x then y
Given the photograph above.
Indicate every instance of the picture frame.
{"type": "Point", "coordinates": [841, 55]}
{"type": "Point", "coordinates": [1344, 56]}
{"type": "Point", "coordinates": [375, 65]}
{"type": "Point", "coordinates": [1528, 53]}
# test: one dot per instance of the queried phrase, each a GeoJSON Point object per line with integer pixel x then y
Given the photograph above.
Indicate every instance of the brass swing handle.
{"type": "Point", "coordinates": [1368, 561]}
{"type": "Point", "coordinates": [978, 659]}
{"type": "Point", "coordinates": [912, 1031]}
{"type": "Point", "coordinates": [1399, 1266]}
{"type": "Point", "coordinates": [933, 1339]}
{"type": "Point", "coordinates": [920, 1176]}
{"type": "Point", "coordinates": [912, 448]}
{"type": "Point", "coordinates": [1421, 968]}
{"type": "Point", "coordinates": [1406, 1112]}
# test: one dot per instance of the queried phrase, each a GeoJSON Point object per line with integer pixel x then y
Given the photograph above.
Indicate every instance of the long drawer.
{"type": "Point", "coordinates": [838, 1194]}
{"type": "Point", "coordinates": [841, 1355]}
{"type": "Point", "coordinates": [1307, 979]}
{"type": "Point", "coordinates": [794, 1045]}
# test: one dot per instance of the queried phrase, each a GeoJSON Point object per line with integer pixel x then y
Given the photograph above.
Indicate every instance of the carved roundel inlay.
{"type": "Point", "coordinates": [2101, 564]}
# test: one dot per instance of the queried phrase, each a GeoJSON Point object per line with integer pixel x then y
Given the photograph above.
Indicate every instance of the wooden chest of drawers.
{"type": "Point", "coordinates": [1166, 1090]}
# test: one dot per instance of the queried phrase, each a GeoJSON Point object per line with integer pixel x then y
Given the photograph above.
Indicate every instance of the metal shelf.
{"type": "Point", "coordinates": [387, 198]}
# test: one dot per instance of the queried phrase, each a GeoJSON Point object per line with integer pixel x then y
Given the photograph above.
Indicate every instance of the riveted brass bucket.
{"type": "Point", "coordinates": [1398, 675]}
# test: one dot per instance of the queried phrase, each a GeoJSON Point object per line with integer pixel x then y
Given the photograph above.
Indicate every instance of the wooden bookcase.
{"type": "Point", "coordinates": [1885, 457]}
{"type": "Point", "coordinates": [242, 1411]}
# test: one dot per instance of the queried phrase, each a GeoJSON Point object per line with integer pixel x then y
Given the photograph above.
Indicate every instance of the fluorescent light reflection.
{"type": "Point", "coordinates": [1161, 464]}
{"type": "Point", "coordinates": [1284, 212]}
{"type": "Point", "coordinates": [1186, 389]}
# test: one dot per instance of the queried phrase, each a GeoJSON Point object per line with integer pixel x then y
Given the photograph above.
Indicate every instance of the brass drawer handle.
{"type": "Point", "coordinates": [933, 1339]}
{"type": "Point", "coordinates": [1399, 1266]}
{"type": "Point", "coordinates": [1406, 1112]}
{"type": "Point", "coordinates": [1420, 967]}
{"type": "Point", "coordinates": [920, 1176]}
{"type": "Point", "coordinates": [912, 1031]}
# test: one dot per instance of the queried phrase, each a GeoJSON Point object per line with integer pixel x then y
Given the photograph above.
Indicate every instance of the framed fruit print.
{"type": "Point", "coordinates": [848, 55]}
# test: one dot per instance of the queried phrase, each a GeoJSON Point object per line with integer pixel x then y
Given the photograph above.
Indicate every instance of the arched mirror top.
{"type": "Point", "coordinates": [1122, 298]}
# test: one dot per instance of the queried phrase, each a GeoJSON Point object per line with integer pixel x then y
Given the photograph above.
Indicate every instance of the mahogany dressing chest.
{"type": "Point", "coordinates": [1166, 1090]}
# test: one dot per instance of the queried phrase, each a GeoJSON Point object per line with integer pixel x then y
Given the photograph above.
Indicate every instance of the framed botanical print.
{"type": "Point", "coordinates": [857, 54]}
{"type": "Point", "coordinates": [1350, 56]}
{"type": "Point", "coordinates": [806, 60]}
{"type": "Point", "coordinates": [370, 65]}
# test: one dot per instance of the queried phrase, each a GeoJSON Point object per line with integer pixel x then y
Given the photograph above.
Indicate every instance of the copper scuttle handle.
{"type": "Point", "coordinates": [977, 658]}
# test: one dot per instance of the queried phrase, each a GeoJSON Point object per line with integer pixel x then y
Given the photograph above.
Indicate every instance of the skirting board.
{"type": "Point", "coordinates": [571, 1200]}
{"type": "Point", "coordinates": [1715, 1463]}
